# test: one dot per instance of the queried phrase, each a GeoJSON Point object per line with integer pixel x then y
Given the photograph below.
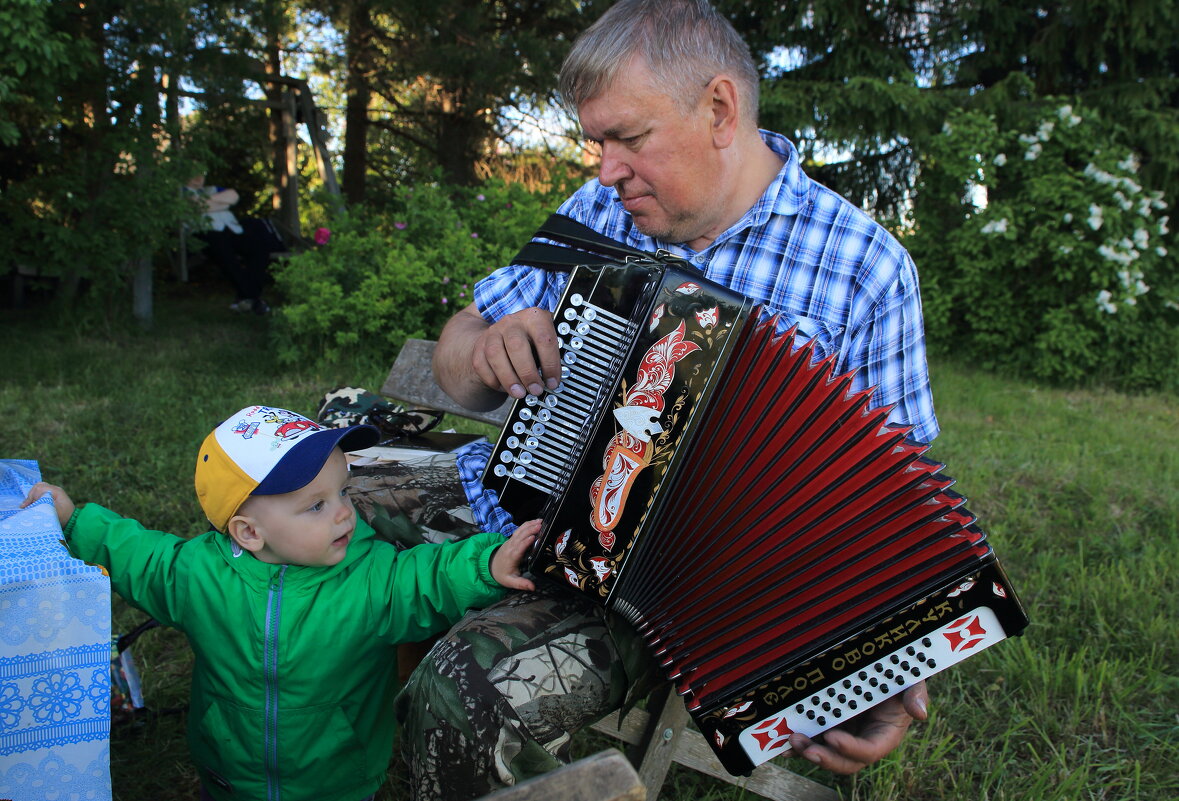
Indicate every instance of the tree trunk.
{"type": "Point", "coordinates": [359, 58]}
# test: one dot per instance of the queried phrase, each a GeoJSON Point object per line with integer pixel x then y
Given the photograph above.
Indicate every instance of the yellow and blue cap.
{"type": "Point", "coordinates": [263, 450]}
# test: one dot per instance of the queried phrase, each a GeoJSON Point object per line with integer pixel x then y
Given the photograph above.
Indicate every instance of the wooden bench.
{"type": "Point", "coordinates": [657, 736]}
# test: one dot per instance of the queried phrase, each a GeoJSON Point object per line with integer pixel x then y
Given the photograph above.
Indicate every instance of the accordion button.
{"type": "Point", "coordinates": [931, 664]}
{"type": "Point", "coordinates": [915, 671]}
{"type": "Point", "coordinates": [911, 650]}
{"type": "Point", "coordinates": [799, 708]}
{"type": "Point", "coordinates": [841, 698]}
{"type": "Point", "coordinates": [822, 721]}
{"type": "Point", "coordinates": [863, 674]}
{"type": "Point", "coordinates": [830, 692]}
{"type": "Point", "coordinates": [838, 713]}
{"type": "Point", "coordinates": [852, 704]}
{"type": "Point", "coordinates": [826, 707]}
{"type": "Point", "coordinates": [810, 714]}
{"type": "Point", "coordinates": [868, 697]}
{"type": "Point", "coordinates": [926, 642]}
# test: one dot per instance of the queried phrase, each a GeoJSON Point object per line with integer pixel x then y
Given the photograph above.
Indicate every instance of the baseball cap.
{"type": "Point", "coordinates": [263, 450]}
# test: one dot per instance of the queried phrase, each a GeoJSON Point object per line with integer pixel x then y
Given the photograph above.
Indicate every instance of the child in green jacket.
{"type": "Point", "coordinates": [292, 608]}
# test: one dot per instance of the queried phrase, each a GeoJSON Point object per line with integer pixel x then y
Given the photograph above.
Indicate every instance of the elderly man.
{"type": "Point", "coordinates": [668, 92]}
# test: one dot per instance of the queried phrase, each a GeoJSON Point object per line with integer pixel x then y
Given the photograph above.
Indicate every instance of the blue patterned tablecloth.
{"type": "Point", "coordinates": [55, 655]}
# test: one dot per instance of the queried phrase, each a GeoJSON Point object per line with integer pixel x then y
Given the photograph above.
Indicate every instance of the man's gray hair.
{"type": "Point", "coordinates": [685, 44]}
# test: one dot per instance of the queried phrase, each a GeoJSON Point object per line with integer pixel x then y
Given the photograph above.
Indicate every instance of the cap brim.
{"type": "Point", "coordinates": [304, 461]}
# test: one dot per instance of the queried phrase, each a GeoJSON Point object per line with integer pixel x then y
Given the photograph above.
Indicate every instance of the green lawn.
{"type": "Point", "coordinates": [1079, 492]}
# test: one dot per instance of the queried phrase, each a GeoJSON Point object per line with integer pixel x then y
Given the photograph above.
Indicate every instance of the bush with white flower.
{"type": "Point", "coordinates": [1042, 253]}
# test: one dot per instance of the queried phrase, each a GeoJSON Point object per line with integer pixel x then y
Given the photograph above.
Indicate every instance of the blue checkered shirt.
{"type": "Point", "coordinates": [802, 251]}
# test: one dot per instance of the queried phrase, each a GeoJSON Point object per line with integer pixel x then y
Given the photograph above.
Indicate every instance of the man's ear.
{"type": "Point", "coordinates": [725, 107]}
{"type": "Point", "coordinates": [243, 530]}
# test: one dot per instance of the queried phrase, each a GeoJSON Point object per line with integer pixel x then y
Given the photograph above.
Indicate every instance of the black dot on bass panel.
{"type": "Point", "coordinates": [858, 690]}
{"type": "Point", "coordinates": [841, 698]}
{"type": "Point", "coordinates": [846, 683]}
{"type": "Point", "coordinates": [852, 704]}
{"type": "Point", "coordinates": [815, 701]}
{"type": "Point", "coordinates": [931, 664]}
{"type": "Point", "coordinates": [900, 680]}
{"type": "Point", "coordinates": [863, 674]}
{"type": "Point", "coordinates": [888, 674]}
{"type": "Point", "coordinates": [822, 721]}
{"type": "Point", "coordinates": [921, 656]}
{"type": "Point", "coordinates": [798, 708]}
{"type": "Point", "coordinates": [905, 665]}
{"type": "Point", "coordinates": [830, 692]}
{"type": "Point", "coordinates": [810, 713]}
{"type": "Point", "coordinates": [910, 650]}
{"type": "Point", "coordinates": [894, 659]}
{"type": "Point", "coordinates": [928, 643]}
{"type": "Point", "coordinates": [838, 713]}
{"type": "Point", "coordinates": [915, 671]}
{"type": "Point", "coordinates": [868, 697]}
{"type": "Point", "coordinates": [873, 682]}
{"type": "Point", "coordinates": [826, 707]}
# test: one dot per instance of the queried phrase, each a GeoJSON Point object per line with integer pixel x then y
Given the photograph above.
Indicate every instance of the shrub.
{"type": "Point", "coordinates": [383, 278]}
{"type": "Point", "coordinates": [1042, 254]}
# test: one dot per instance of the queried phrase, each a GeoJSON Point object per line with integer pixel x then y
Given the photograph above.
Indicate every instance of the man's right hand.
{"type": "Point", "coordinates": [519, 352]}
{"type": "Point", "coordinates": [477, 362]}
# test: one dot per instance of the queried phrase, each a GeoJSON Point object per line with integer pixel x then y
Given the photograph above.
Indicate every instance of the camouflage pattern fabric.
{"type": "Point", "coordinates": [347, 406]}
{"type": "Point", "coordinates": [408, 503]}
{"type": "Point", "coordinates": [497, 700]}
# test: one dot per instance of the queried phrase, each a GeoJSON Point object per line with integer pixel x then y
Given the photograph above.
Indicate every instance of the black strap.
{"type": "Point", "coordinates": [579, 240]}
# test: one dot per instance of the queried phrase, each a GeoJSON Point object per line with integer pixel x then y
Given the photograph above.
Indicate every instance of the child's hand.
{"type": "Point", "coordinates": [507, 559]}
{"type": "Point", "coordinates": [61, 501]}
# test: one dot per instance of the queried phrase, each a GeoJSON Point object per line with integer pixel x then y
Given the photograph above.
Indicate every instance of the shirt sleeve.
{"type": "Point", "coordinates": [888, 350]}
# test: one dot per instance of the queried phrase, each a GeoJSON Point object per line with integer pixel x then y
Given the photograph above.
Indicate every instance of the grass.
{"type": "Point", "coordinates": [1076, 489]}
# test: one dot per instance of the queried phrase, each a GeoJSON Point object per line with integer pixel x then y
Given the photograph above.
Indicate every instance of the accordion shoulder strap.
{"type": "Point", "coordinates": [577, 242]}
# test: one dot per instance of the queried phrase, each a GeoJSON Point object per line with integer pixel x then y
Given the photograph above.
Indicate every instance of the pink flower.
{"type": "Point", "coordinates": [322, 235]}
{"type": "Point", "coordinates": [474, 235]}
{"type": "Point", "coordinates": [445, 301]}
{"type": "Point", "coordinates": [446, 279]}
{"type": "Point", "coordinates": [400, 226]}
{"type": "Point", "coordinates": [480, 197]}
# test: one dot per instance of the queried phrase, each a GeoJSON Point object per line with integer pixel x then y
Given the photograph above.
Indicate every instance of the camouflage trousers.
{"type": "Point", "coordinates": [498, 697]}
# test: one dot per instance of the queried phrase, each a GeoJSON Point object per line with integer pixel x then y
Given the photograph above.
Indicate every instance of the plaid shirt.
{"type": "Point", "coordinates": [802, 251]}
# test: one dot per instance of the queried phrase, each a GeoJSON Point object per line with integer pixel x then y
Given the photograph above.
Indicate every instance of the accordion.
{"type": "Point", "coordinates": [790, 557]}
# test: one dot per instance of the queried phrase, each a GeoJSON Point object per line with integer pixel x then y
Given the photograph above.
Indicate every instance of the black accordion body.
{"type": "Point", "coordinates": [789, 556]}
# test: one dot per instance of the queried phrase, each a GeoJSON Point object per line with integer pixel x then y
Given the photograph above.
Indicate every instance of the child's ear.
{"type": "Point", "coordinates": [244, 531]}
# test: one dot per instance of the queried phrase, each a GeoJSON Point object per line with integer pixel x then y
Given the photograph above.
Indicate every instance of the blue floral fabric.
{"type": "Point", "coordinates": [55, 652]}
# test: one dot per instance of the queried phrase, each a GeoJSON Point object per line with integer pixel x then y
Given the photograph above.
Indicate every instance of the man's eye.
{"type": "Point", "coordinates": [317, 506]}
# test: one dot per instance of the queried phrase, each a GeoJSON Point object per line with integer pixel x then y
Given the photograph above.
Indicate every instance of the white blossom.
{"type": "Point", "coordinates": [1064, 112]}
{"type": "Point", "coordinates": [1161, 251]}
{"type": "Point", "coordinates": [1044, 132]}
{"type": "Point", "coordinates": [1163, 229]}
{"type": "Point", "coordinates": [1129, 163]}
{"type": "Point", "coordinates": [1068, 217]}
{"type": "Point", "coordinates": [995, 227]}
{"type": "Point", "coordinates": [1123, 201]}
{"type": "Point", "coordinates": [1000, 159]}
{"type": "Point", "coordinates": [1104, 302]}
{"type": "Point", "coordinates": [1141, 238]}
{"type": "Point", "coordinates": [1033, 152]}
{"type": "Point", "coordinates": [1028, 139]}
{"type": "Point", "coordinates": [1095, 218]}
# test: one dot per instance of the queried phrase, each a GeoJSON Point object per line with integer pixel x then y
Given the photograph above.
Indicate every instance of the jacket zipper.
{"type": "Point", "coordinates": [270, 675]}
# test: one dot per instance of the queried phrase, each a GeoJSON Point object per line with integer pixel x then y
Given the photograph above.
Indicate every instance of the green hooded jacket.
{"type": "Point", "coordinates": [295, 667]}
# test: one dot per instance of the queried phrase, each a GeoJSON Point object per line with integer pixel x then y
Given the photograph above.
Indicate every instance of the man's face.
{"type": "Point", "coordinates": [660, 159]}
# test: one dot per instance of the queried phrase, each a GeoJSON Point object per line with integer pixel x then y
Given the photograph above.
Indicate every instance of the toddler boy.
{"type": "Point", "coordinates": [292, 608]}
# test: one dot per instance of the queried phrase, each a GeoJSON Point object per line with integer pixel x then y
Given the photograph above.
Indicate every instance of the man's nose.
{"type": "Point", "coordinates": [613, 166]}
{"type": "Point", "coordinates": [344, 512]}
